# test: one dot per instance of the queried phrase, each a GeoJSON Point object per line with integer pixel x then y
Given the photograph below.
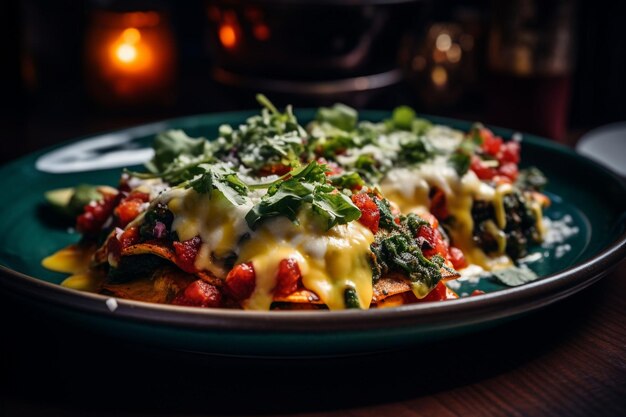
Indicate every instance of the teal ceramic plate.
{"type": "Point", "coordinates": [585, 195]}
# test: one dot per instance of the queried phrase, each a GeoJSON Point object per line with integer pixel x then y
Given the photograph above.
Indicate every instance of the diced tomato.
{"type": "Point", "coordinates": [481, 170]}
{"type": "Point", "coordinates": [129, 237]}
{"type": "Point", "coordinates": [370, 215]}
{"type": "Point", "coordinates": [138, 195]}
{"type": "Point", "coordinates": [240, 281]}
{"type": "Point", "coordinates": [510, 152]}
{"type": "Point", "coordinates": [433, 242]}
{"type": "Point", "coordinates": [274, 169]}
{"type": "Point", "coordinates": [199, 294]}
{"type": "Point", "coordinates": [455, 255]}
{"type": "Point", "coordinates": [509, 170]}
{"type": "Point", "coordinates": [491, 144]}
{"type": "Point", "coordinates": [127, 211]}
{"type": "Point", "coordinates": [186, 253]}
{"type": "Point", "coordinates": [438, 204]}
{"type": "Point", "coordinates": [439, 293]}
{"type": "Point", "coordinates": [95, 214]}
{"type": "Point", "coordinates": [287, 278]}
{"type": "Point", "coordinates": [130, 207]}
{"type": "Point", "coordinates": [477, 292]}
{"type": "Point", "coordinates": [114, 247]}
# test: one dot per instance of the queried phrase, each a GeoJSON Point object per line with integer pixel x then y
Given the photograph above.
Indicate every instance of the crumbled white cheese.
{"type": "Point", "coordinates": [111, 304]}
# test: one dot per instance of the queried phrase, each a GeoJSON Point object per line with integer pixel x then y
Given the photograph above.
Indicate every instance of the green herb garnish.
{"type": "Point", "coordinates": [307, 185]}
{"type": "Point", "coordinates": [207, 178]}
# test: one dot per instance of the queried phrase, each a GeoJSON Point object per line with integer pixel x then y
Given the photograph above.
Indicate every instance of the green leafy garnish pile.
{"type": "Point", "coordinates": [306, 185]}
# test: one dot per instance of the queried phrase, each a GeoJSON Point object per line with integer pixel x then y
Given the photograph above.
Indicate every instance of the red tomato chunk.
{"type": "Point", "coordinates": [186, 253]}
{"type": "Point", "coordinates": [433, 242]}
{"type": "Point", "coordinates": [199, 294]}
{"type": "Point", "coordinates": [455, 255]}
{"type": "Point", "coordinates": [439, 293]}
{"type": "Point", "coordinates": [96, 213]}
{"type": "Point", "coordinates": [240, 281]}
{"type": "Point", "coordinates": [130, 207]}
{"type": "Point", "coordinates": [287, 278]}
{"type": "Point", "coordinates": [370, 215]}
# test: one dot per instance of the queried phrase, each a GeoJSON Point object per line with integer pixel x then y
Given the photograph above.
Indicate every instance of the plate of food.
{"type": "Point", "coordinates": [304, 233]}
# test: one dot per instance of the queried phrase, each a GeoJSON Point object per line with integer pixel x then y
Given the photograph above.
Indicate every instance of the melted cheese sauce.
{"type": "Point", "coordinates": [219, 224]}
{"type": "Point", "coordinates": [74, 260]}
{"type": "Point", "coordinates": [409, 189]}
{"type": "Point", "coordinates": [330, 261]}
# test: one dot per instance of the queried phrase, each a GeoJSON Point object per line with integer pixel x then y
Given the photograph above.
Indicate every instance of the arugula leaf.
{"type": "Point", "coordinates": [515, 276]}
{"type": "Point", "coordinates": [340, 116]}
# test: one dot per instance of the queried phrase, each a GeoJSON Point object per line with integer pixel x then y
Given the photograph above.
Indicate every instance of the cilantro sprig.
{"type": "Point", "coordinates": [207, 178]}
{"type": "Point", "coordinates": [266, 139]}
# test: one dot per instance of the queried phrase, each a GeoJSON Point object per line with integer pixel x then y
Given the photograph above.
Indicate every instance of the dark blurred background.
{"type": "Point", "coordinates": [77, 67]}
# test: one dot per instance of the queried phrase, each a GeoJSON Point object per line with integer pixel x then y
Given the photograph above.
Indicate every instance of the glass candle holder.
{"type": "Point", "coordinates": [130, 59]}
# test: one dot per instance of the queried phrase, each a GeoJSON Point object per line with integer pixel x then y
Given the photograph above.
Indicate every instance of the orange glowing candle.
{"type": "Point", "coordinates": [130, 58]}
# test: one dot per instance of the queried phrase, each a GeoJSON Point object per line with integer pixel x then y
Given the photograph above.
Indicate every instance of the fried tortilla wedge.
{"type": "Point", "coordinates": [166, 253]}
{"type": "Point", "coordinates": [163, 284]}
{"type": "Point", "coordinates": [160, 286]}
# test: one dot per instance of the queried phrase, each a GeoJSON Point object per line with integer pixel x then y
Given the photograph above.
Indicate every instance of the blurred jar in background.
{"type": "Point", "coordinates": [130, 58]}
{"type": "Point", "coordinates": [530, 63]}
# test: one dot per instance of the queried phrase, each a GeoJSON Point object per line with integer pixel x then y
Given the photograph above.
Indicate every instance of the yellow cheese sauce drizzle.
{"type": "Point", "coordinates": [74, 260]}
{"type": "Point", "coordinates": [329, 261]}
{"type": "Point", "coordinates": [219, 224]}
{"type": "Point", "coordinates": [409, 188]}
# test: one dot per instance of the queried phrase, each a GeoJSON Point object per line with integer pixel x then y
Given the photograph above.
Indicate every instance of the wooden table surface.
{"type": "Point", "coordinates": [568, 359]}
